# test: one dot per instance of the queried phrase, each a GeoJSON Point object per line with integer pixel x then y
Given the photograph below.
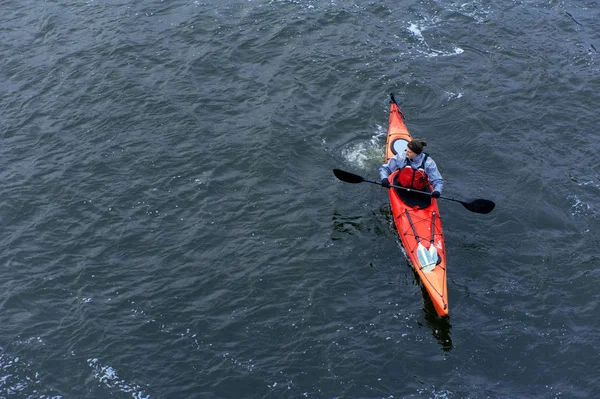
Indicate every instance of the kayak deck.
{"type": "Point", "coordinates": [418, 221]}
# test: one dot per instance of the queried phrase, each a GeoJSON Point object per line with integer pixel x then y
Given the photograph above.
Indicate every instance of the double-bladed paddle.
{"type": "Point", "coordinates": [474, 205]}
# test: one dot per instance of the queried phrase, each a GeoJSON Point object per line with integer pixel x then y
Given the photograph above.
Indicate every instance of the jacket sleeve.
{"type": "Point", "coordinates": [390, 167]}
{"type": "Point", "coordinates": [434, 175]}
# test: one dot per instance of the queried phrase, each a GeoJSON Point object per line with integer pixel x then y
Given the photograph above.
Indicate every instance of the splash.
{"type": "Point", "coordinates": [442, 394]}
{"type": "Point", "coordinates": [108, 376]}
{"type": "Point", "coordinates": [592, 184]}
{"type": "Point", "coordinates": [578, 207]}
{"type": "Point", "coordinates": [416, 32]}
{"type": "Point", "coordinates": [367, 154]}
{"type": "Point", "coordinates": [580, 203]}
{"type": "Point", "coordinates": [18, 380]}
{"type": "Point", "coordinates": [453, 96]}
{"type": "Point", "coordinates": [417, 28]}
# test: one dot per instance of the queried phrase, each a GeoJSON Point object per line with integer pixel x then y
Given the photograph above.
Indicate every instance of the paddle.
{"type": "Point", "coordinates": [475, 205]}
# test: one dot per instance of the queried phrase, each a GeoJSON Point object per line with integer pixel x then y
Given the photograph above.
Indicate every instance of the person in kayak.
{"type": "Point", "coordinates": [417, 169]}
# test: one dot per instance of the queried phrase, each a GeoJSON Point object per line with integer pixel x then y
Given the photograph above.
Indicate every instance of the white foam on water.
{"type": "Point", "coordinates": [301, 3]}
{"type": "Point", "coordinates": [417, 29]}
{"type": "Point", "coordinates": [475, 10]}
{"type": "Point", "coordinates": [430, 53]}
{"type": "Point", "coordinates": [453, 96]}
{"type": "Point", "coordinates": [442, 394]}
{"type": "Point", "coordinates": [578, 207]}
{"type": "Point", "coordinates": [109, 377]}
{"type": "Point", "coordinates": [366, 154]}
{"type": "Point", "coordinates": [588, 184]}
{"type": "Point", "coordinates": [17, 380]}
{"type": "Point", "coordinates": [30, 341]}
{"type": "Point", "coordinates": [580, 203]}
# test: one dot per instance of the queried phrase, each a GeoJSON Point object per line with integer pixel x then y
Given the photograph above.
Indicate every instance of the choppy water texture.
{"type": "Point", "coordinates": [171, 227]}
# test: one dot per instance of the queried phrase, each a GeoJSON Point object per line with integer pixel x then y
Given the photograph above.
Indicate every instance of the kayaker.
{"type": "Point", "coordinates": [418, 169]}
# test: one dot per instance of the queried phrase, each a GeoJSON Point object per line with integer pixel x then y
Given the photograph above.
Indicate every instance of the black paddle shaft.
{"type": "Point", "coordinates": [483, 206]}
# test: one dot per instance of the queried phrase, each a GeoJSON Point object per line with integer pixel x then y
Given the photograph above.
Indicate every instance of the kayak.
{"type": "Point", "coordinates": [417, 220]}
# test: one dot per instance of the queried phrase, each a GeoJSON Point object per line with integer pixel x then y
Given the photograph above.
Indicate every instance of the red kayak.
{"type": "Point", "coordinates": [418, 220]}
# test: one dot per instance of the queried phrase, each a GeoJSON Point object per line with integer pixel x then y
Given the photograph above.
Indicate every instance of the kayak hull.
{"type": "Point", "coordinates": [417, 219]}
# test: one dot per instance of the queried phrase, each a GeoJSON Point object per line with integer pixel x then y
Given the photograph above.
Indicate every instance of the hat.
{"type": "Point", "coordinates": [417, 145]}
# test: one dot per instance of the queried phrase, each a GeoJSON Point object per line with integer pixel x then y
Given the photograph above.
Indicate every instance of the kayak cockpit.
{"type": "Point", "coordinates": [411, 198]}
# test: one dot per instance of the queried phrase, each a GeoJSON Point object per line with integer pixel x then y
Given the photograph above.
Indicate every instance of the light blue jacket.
{"type": "Point", "coordinates": [400, 161]}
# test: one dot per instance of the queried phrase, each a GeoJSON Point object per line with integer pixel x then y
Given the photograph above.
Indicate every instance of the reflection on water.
{"type": "Point", "coordinates": [344, 225]}
{"type": "Point", "coordinates": [440, 326]}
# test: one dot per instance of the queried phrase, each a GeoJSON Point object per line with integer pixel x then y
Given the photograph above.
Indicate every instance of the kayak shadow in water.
{"type": "Point", "coordinates": [440, 326]}
{"type": "Point", "coordinates": [344, 225]}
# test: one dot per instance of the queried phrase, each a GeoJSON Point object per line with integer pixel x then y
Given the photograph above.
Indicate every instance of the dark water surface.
{"type": "Point", "coordinates": [171, 227]}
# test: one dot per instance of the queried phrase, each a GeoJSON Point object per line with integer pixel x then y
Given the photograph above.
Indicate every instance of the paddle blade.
{"type": "Point", "coordinates": [347, 176]}
{"type": "Point", "coordinates": [479, 205]}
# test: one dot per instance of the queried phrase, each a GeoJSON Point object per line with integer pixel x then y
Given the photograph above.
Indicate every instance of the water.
{"type": "Point", "coordinates": [171, 227]}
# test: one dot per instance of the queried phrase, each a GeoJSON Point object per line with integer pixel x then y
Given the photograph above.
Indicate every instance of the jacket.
{"type": "Point", "coordinates": [400, 161]}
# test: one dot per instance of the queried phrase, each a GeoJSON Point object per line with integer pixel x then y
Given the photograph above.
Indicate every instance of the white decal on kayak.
{"type": "Point", "coordinates": [427, 257]}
